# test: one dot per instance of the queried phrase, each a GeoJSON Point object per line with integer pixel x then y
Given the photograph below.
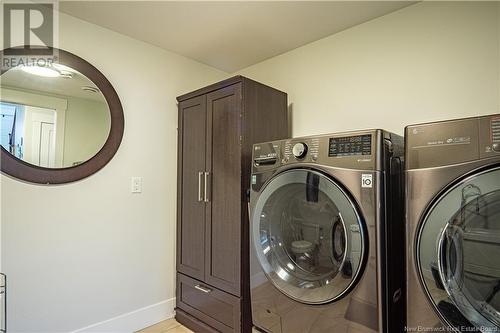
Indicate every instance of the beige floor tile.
{"type": "Point", "coordinates": [179, 329]}
{"type": "Point", "coordinates": [164, 326]}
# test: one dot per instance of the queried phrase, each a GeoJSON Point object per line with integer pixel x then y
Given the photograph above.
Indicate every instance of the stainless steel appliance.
{"type": "Point", "coordinates": [326, 216]}
{"type": "Point", "coordinates": [453, 216]}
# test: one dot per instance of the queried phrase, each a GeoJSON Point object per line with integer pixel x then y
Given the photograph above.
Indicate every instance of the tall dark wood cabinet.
{"type": "Point", "coordinates": [218, 125]}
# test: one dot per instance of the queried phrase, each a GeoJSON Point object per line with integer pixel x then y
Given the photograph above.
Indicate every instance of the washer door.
{"type": "Point", "coordinates": [308, 236]}
{"type": "Point", "coordinates": [458, 253]}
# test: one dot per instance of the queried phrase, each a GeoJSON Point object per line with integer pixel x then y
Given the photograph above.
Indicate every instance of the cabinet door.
{"type": "Point", "coordinates": [223, 225]}
{"type": "Point", "coordinates": [191, 207]}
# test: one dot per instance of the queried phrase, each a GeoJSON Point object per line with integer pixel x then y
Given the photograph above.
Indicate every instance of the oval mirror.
{"type": "Point", "coordinates": [59, 122]}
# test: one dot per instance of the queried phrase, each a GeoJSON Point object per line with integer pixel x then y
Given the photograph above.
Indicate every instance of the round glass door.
{"type": "Point", "coordinates": [458, 253]}
{"type": "Point", "coordinates": [308, 236]}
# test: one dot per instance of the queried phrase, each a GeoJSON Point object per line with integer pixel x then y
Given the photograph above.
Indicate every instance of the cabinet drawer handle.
{"type": "Point", "coordinates": [200, 195]}
{"type": "Point", "coordinates": [202, 288]}
{"type": "Point", "coordinates": [207, 199]}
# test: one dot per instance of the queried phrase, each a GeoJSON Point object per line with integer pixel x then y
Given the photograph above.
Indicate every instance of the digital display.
{"type": "Point", "coordinates": [350, 146]}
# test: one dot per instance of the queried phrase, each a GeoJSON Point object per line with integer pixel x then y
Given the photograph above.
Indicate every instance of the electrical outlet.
{"type": "Point", "coordinates": [136, 185]}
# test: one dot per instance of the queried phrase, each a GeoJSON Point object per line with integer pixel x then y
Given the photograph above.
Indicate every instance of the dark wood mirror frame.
{"type": "Point", "coordinates": [22, 170]}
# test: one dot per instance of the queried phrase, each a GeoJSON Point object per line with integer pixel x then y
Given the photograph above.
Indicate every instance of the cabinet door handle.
{"type": "Point", "coordinates": [207, 199]}
{"type": "Point", "coordinates": [203, 288]}
{"type": "Point", "coordinates": [200, 195]}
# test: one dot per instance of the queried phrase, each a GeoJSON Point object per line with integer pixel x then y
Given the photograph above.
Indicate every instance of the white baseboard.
{"type": "Point", "coordinates": [135, 320]}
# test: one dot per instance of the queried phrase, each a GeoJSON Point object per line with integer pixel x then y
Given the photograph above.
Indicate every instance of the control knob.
{"type": "Point", "coordinates": [496, 147]}
{"type": "Point", "coordinates": [299, 150]}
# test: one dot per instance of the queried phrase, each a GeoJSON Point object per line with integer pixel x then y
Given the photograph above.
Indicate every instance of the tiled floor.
{"type": "Point", "coordinates": [167, 326]}
{"type": "Point", "coordinates": [170, 326]}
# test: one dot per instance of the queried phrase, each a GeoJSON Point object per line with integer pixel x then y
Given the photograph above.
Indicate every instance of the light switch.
{"type": "Point", "coordinates": [136, 185]}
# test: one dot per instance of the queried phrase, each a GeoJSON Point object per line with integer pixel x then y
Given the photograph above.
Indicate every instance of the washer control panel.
{"type": "Point", "coordinates": [325, 147]}
{"type": "Point", "coordinates": [489, 133]}
{"type": "Point", "coordinates": [495, 134]}
{"type": "Point", "coordinates": [356, 150]}
{"type": "Point", "coordinates": [350, 146]}
{"type": "Point", "coordinates": [299, 150]}
{"type": "Point", "coordinates": [306, 149]}
{"type": "Point", "coordinates": [452, 142]}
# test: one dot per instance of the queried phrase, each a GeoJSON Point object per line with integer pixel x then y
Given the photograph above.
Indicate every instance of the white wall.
{"type": "Point", "coordinates": [86, 129]}
{"type": "Point", "coordinates": [427, 62]}
{"type": "Point", "coordinates": [86, 252]}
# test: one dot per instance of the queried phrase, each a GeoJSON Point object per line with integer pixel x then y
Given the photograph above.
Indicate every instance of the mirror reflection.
{"type": "Point", "coordinates": [53, 116]}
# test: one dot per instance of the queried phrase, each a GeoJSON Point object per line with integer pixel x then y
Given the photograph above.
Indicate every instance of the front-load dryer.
{"type": "Point", "coordinates": [453, 216]}
{"type": "Point", "coordinates": [326, 216]}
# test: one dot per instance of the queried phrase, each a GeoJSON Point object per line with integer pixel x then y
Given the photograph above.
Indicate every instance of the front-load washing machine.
{"type": "Point", "coordinates": [453, 216]}
{"type": "Point", "coordinates": [326, 216]}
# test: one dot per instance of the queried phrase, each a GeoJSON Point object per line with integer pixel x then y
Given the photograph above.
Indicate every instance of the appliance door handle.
{"type": "Point", "coordinates": [200, 195]}
{"type": "Point", "coordinates": [3, 294]}
{"type": "Point", "coordinates": [450, 236]}
{"type": "Point", "coordinates": [206, 189]}
{"type": "Point", "coordinates": [206, 290]}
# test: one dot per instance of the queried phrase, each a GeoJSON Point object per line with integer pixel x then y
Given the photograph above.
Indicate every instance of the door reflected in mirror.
{"type": "Point", "coordinates": [52, 116]}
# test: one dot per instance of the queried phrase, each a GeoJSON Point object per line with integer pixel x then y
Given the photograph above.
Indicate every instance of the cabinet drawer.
{"type": "Point", "coordinates": [213, 306]}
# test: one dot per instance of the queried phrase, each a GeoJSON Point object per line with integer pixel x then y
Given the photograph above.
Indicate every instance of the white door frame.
{"type": "Point", "coordinates": [59, 105]}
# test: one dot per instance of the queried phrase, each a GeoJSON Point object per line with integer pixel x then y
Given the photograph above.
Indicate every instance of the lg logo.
{"type": "Point", "coordinates": [28, 26]}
